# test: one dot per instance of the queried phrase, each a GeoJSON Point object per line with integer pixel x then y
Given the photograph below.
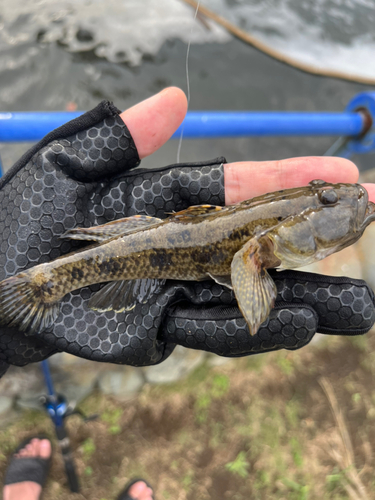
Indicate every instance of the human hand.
{"type": "Point", "coordinates": [82, 178]}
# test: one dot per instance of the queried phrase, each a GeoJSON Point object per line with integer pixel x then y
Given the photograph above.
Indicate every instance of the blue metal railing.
{"type": "Point", "coordinates": [15, 127]}
{"type": "Point", "coordinates": [236, 124]}
{"type": "Point", "coordinates": [354, 126]}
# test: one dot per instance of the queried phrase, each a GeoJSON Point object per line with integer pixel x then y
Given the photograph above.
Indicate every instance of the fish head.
{"type": "Point", "coordinates": [342, 213]}
{"type": "Point", "coordinates": [333, 218]}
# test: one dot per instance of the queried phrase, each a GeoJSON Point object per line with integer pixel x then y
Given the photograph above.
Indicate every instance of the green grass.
{"type": "Point", "coordinates": [239, 466]}
{"type": "Point", "coordinates": [112, 419]}
{"type": "Point", "coordinates": [256, 429]}
{"type": "Point", "coordinates": [88, 448]}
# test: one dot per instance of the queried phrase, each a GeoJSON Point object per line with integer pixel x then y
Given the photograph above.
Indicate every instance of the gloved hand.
{"type": "Point", "coordinates": [81, 175]}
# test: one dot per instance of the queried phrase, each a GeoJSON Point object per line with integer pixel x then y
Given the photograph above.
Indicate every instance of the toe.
{"type": "Point", "coordinates": [148, 494]}
{"type": "Point", "coordinates": [44, 448]}
{"type": "Point", "coordinates": [36, 448]}
{"type": "Point", "coordinates": [32, 448]}
{"type": "Point", "coordinates": [137, 489]}
{"type": "Point", "coordinates": [140, 491]}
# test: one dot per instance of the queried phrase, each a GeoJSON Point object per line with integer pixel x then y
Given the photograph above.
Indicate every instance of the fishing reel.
{"type": "Point", "coordinates": [57, 407]}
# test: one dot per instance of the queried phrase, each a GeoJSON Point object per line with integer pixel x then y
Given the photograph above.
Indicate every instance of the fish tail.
{"type": "Point", "coordinates": [22, 305]}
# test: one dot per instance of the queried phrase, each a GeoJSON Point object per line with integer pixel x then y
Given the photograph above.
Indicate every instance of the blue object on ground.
{"type": "Point", "coordinates": [55, 408]}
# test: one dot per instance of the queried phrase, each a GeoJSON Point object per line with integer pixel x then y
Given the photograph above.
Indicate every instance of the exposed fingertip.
{"type": "Point", "coordinates": [153, 121]}
{"type": "Point", "coordinates": [245, 180]}
{"type": "Point", "coordinates": [370, 188]}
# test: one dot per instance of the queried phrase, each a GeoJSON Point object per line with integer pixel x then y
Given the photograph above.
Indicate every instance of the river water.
{"type": "Point", "coordinates": [55, 54]}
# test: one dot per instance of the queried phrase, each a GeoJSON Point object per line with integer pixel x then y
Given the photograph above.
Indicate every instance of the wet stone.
{"type": "Point", "coordinates": [179, 364]}
{"type": "Point", "coordinates": [6, 404]}
{"type": "Point", "coordinates": [123, 382]}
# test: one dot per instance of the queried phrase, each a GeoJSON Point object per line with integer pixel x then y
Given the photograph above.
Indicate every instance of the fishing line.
{"type": "Point", "coordinates": [187, 78]}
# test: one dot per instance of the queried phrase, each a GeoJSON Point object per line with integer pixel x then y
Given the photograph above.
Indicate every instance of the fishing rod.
{"type": "Point", "coordinates": [58, 410]}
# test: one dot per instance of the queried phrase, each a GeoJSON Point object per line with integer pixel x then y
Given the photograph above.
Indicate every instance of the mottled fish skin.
{"type": "Point", "coordinates": [190, 247]}
{"type": "Point", "coordinates": [291, 227]}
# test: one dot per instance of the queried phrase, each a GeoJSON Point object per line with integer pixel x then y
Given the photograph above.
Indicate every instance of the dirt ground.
{"type": "Point", "coordinates": [287, 425]}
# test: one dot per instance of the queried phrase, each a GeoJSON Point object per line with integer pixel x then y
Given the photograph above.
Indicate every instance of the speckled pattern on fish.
{"type": "Point", "coordinates": [232, 245]}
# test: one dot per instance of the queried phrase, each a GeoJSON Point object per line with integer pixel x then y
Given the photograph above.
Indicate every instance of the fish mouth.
{"type": "Point", "coordinates": [365, 209]}
{"type": "Point", "coordinates": [369, 214]}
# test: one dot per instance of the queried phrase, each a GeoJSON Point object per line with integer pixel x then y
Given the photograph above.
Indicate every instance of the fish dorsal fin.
{"type": "Point", "coordinates": [190, 213]}
{"type": "Point", "coordinates": [124, 295]}
{"type": "Point", "coordinates": [112, 229]}
{"type": "Point", "coordinates": [254, 288]}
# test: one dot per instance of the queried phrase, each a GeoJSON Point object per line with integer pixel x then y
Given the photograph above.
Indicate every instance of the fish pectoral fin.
{"type": "Point", "coordinates": [124, 295]}
{"type": "Point", "coordinates": [254, 288]}
{"type": "Point", "coordinates": [112, 229]}
{"type": "Point", "coordinates": [21, 306]}
{"type": "Point", "coordinates": [224, 280]}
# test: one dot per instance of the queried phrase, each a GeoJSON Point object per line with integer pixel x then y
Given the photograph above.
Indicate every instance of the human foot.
{"type": "Point", "coordinates": [31, 463]}
{"type": "Point", "coordinates": [138, 490]}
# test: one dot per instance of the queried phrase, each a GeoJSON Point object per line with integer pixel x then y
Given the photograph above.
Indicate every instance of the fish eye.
{"type": "Point", "coordinates": [361, 192]}
{"type": "Point", "coordinates": [328, 196]}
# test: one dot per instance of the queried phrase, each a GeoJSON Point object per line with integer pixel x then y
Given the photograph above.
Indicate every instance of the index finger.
{"type": "Point", "coordinates": [244, 180]}
{"type": "Point", "coordinates": [371, 191]}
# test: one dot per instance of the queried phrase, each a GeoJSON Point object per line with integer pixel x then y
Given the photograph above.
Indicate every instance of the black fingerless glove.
{"type": "Point", "coordinates": [79, 175]}
{"type": "Point", "coordinates": [208, 318]}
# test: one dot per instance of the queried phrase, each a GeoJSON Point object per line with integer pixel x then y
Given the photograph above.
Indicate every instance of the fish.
{"type": "Point", "coordinates": [233, 245]}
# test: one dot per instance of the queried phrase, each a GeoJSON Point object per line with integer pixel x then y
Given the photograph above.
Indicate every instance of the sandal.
{"type": "Point", "coordinates": [32, 469]}
{"type": "Point", "coordinates": [124, 495]}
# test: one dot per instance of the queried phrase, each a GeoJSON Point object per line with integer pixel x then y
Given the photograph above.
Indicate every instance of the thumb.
{"type": "Point", "coordinates": [153, 121]}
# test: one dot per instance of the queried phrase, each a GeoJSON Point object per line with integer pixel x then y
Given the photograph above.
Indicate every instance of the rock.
{"type": "Point", "coordinates": [84, 35]}
{"type": "Point", "coordinates": [75, 378]}
{"type": "Point", "coordinates": [18, 381]}
{"type": "Point", "coordinates": [24, 384]}
{"type": "Point", "coordinates": [122, 382]}
{"type": "Point", "coordinates": [179, 364]}
{"type": "Point", "coordinates": [7, 411]}
{"type": "Point", "coordinates": [6, 404]}
{"type": "Point", "coordinates": [73, 391]}
{"type": "Point", "coordinates": [31, 401]}
{"type": "Point", "coordinates": [215, 360]}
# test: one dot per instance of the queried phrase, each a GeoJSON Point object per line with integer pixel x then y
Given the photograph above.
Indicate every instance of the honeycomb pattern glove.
{"type": "Point", "coordinates": [81, 175]}
{"type": "Point", "coordinates": [208, 318]}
